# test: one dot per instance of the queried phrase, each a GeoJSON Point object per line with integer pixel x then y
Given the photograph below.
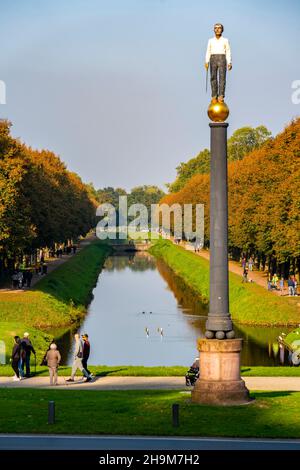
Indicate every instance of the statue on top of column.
{"type": "Point", "coordinates": [218, 59]}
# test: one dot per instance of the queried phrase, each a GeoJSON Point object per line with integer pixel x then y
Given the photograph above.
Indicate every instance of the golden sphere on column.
{"type": "Point", "coordinates": [218, 112]}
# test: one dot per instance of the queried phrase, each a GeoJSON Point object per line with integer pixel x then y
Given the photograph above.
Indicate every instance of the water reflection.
{"type": "Point", "coordinates": [141, 261]}
{"type": "Point", "coordinates": [135, 319]}
{"type": "Point", "coordinates": [260, 346]}
{"type": "Point", "coordinates": [143, 314]}
{"type": "Point", "coordinates": [187, 300]}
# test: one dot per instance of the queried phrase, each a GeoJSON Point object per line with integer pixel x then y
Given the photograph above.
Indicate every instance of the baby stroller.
{"type": "Point", "coordinates": [192, 374]}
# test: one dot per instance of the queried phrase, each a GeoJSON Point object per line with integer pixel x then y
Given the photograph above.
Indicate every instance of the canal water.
{"type": "Point", "coordinates": [142, 314]}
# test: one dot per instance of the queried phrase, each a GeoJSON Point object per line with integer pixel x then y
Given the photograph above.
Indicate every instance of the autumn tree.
{"type": "Point", "coordinates": [242, 142]}
{"type": "Point", "coordinates": [41, 202]}
{"type": "Point", "coordinates": [110, 195]}
{"type": "Point", "coordinates": [197, 165]}
{"type": "Point", "coordinates": [245, 140]}
{"type": "Point", "coordinates": [146, 194]}
{"type": "Point", "coordinates": [16, 230]}
{"type": "Point", "coordinates": [264, 201]}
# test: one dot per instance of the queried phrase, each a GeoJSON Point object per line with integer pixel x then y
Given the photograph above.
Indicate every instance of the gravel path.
{"type": "Point", "coordinates": [259, 277]}
{"type": "Point", "coordinates": [147, 383]}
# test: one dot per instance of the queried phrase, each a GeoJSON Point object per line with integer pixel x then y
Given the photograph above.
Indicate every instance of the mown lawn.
{"type": "Point", "coordinates": [250, 304]}
{"type": "Point", "coordinates": [272, 414]}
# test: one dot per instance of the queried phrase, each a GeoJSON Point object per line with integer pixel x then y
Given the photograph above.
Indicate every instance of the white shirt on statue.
{"type": "Point", "coordinates": [218, 46]}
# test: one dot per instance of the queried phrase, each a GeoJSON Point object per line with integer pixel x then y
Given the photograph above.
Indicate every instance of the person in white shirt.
{"type": "Point", "coordinates": [218, 57]}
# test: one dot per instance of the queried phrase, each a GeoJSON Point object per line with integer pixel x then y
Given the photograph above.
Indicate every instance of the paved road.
{"type": "Point", "coordinates": [63, 442]}
{"type": "Point", "coordinates": [148, 383]}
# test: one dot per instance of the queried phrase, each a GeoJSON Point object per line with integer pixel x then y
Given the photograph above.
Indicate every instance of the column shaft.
{"type": "Point", "coordinates": [218, 317]}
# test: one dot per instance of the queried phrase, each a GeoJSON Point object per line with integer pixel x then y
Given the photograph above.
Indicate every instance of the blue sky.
{"type": "Point", "coordinates": [117, 87]}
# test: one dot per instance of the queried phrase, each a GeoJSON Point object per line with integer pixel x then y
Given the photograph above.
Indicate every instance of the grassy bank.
{"type": "Point", "coordinates": [140, 371]}
{"type": "Point", "coordinates": [250, 304]}
{"type": "Point", "coordinates": [272, 414]}
{"type": "Point", "coordinates": [57, 300]}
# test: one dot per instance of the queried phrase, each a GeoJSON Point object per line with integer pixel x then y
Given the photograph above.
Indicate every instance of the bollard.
{"type": "Point", "coordinates": [175, 415]}
{"type": "Point", "coordinates": [51, 412]}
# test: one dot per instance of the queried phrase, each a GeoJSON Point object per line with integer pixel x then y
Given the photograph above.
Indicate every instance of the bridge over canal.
{"type": "Point", "coordinates": [131, 246]}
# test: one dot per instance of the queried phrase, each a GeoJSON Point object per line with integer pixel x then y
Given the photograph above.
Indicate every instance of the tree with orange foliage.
{"type": "Point", "coordinates": [41, 202]}
{"type": "Point", "coordinates": [263, 199]}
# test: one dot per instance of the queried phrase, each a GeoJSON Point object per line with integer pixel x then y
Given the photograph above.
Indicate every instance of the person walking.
{"type": "Point", "coordinates": [250, 264]}
{"type": "Point", "coordinates": [291, 286]}
{"type": "Point", "coordinates": [77, 363]}
{"type": "Point", "coordinates": [29, 278]}
{"type": "Point", "coordinates": [15, 358]}
{"type": "Point", "coordinates": [27, 349]}
{"type": "Point", "coordinates": [15, 280]}
{"type": "Point", "coordinates": [244, 260]}
{"type": "Point", "coordinates": [24, 280]}
{"type": "Point", "coordinates": [274, 281]}
{"type": "Point", "coordinates": [245, 275]}
{"type": "Point", "coordinates": [86, 352]}
{"type": "Point", "coordinates": [20, 279]}
{"type": "Point", "coordinates": [281, 285]}
{"type": "Point", "coordinates": [53, 359]}
{"type": "Point", "coordinates": [44, 269]}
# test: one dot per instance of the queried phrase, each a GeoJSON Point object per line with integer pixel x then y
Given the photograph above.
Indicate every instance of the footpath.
{"type": "Point", "coordinates": [259, 277]}
{"type": "Point", "coordinates": [291, 384]}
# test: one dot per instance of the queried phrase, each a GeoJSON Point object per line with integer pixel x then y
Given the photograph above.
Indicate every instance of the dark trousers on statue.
{"type": "Point", "coordinates": [218, 67]}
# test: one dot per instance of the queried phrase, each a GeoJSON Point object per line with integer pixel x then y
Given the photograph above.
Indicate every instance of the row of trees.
{"type": "Point", "coordinates": [264, 201]}
{"type": "Point", "coordinates": [41, 202]}
{"type": "Point", "coordinates": [242, 142]}
{"type": "Point", "coordinates": [146, 194]}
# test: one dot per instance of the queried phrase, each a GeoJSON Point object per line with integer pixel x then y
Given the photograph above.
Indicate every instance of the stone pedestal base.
{"type": "Point", "coordinates": [220, 382]}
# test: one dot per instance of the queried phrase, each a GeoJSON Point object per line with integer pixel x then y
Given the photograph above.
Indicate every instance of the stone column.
{"type": "Point", "coordinates": [218, 324]}
{"type": "Point", "coordinates": [220, 382]}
